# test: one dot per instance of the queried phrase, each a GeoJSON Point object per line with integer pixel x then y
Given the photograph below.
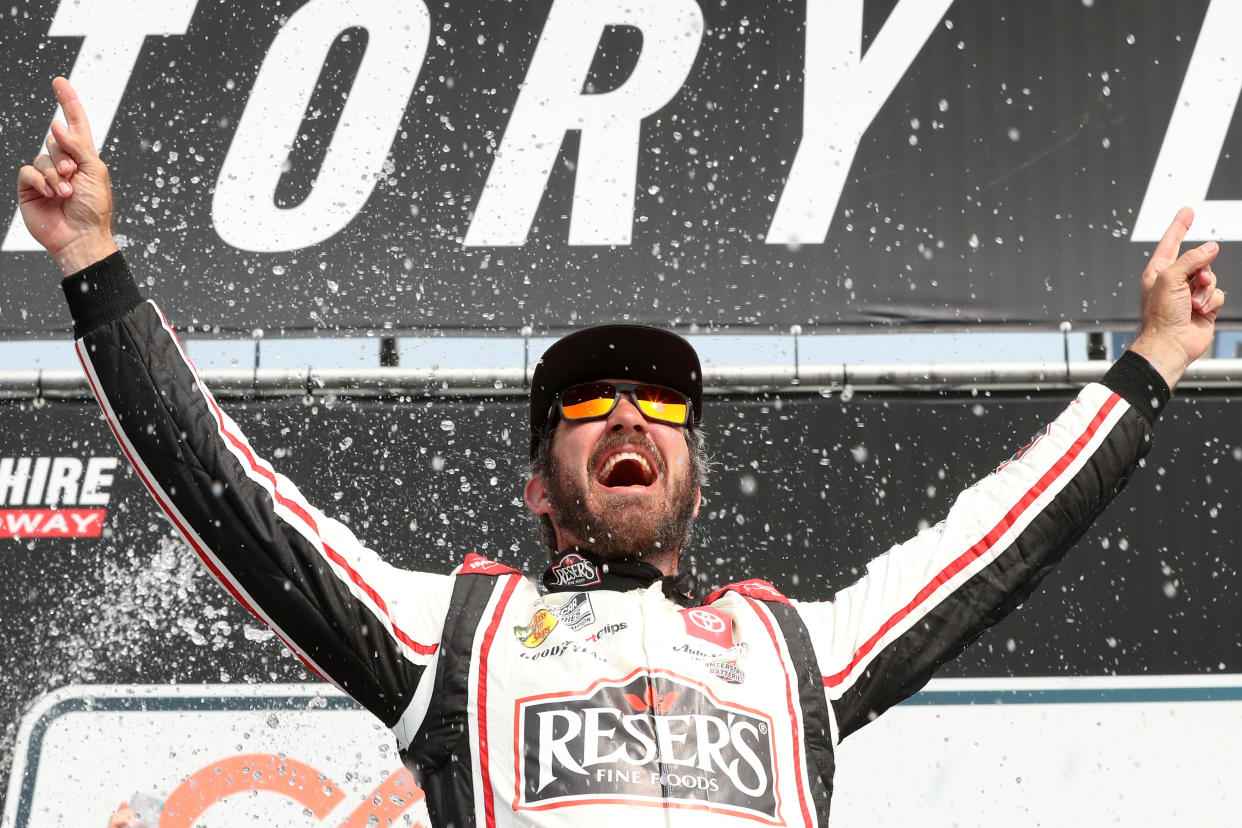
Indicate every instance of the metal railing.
{"type": "Point", "coordinates": [510, 380]}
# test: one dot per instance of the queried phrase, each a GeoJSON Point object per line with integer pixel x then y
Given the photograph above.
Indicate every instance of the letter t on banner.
{"type": "Point", "coordinates": [552, 102]}
{"type": "Point", "coordinates": [112, 35]}
{"type": "Point", "coordinates": [843, 91]}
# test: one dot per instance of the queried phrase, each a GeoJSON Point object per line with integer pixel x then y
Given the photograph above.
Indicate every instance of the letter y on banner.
{"type": "Point", "coordinates": [843, 91]}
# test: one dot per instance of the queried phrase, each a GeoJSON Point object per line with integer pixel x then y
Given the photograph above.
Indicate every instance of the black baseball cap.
{"type": "Point", "coordinates": [631, 352]}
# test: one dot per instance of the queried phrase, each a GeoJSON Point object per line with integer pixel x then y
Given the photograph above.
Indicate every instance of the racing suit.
{"type": "Point", "coordinates": [599, 699]}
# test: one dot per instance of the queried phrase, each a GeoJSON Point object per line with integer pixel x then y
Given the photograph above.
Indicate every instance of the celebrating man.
{"type": "Point", "coordinates": [602, 689]}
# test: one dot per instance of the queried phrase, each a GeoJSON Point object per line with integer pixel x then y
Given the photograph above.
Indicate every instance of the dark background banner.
{"type": "Point", "coordinates": [333, 166]}
{"type": "Point", "coordinates": [804, 491]}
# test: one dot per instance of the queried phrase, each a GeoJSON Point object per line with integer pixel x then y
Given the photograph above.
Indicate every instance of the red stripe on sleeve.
{"type": "Point", "coordinates": [983, 546]}
{"type": "Point", "coordinates": [290, 504]}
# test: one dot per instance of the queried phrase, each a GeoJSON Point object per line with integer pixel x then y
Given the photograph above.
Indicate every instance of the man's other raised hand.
{"type": "Point", "coordinates": [1180, 302]}
{"type": "Point", "coordinates": [65, 194]}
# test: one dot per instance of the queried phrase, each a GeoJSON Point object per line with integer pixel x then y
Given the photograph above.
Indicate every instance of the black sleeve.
{"type": "Point", "coordinates": [369, 628]}
{"type": "Point", "coordinates": [922, 602]}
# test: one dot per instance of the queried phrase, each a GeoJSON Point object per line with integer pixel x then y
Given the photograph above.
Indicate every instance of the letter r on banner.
{"type": "Point", "coordinates": [552, 102]}
{"type": "Point", "coordinates": [112, 35]}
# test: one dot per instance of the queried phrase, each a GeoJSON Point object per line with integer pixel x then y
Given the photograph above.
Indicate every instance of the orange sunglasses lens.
{"type": "Point", "coordinates": [586, 401]}
{"type": "Point", "coordinates": [660, 404]}
{"type": "Point", "coordinates": [596, 399]}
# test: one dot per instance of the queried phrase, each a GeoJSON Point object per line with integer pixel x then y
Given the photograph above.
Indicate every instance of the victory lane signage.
{"type": "Point", "coordinates": [344, 164]}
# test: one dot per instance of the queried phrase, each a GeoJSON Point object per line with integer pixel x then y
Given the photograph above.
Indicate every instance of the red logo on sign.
{"type": "Point", "coordinates": [709, 624]}
{"type": "Point", "coordinates": [51, 523]}
{"type": "Point", "coordinates": [289, 778]}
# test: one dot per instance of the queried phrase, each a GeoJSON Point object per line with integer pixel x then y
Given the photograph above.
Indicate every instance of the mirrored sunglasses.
{"type": "Point", "coordinates": [593, 400]}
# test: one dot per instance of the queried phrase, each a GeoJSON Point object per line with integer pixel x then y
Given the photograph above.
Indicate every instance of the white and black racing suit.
{"type": "Point", "coordinates": [594, 705]}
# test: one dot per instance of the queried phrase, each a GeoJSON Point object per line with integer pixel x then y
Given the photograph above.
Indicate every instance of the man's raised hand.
{"type": "Point", "coordinates": [1180, 302]}
{"type": "Point", "coordinates": [65, 195]}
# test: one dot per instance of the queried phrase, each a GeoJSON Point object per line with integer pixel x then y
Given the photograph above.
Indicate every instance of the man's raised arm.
{"type": "Point", "coordinates": [925, 600]}
{"type": "Point", "coordinates": [365, 626]}
{"type": "Point", "coordinates": [65, 194]}
{"type": "Point", "coordinates": [1180, 302]}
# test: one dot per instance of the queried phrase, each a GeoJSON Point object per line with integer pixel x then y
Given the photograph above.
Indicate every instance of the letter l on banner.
{"type": "Point", "coordinates": [1196, 135]}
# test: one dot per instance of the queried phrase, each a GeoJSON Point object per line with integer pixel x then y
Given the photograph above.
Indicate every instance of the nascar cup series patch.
{"type": "Point", "coordinates": [577, 612]}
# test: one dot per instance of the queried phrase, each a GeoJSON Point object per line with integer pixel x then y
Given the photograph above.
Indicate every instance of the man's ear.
{"type": "Point", "coordinates": [698, 500]}
{"type": "Point", "coordinates": [537, 496]}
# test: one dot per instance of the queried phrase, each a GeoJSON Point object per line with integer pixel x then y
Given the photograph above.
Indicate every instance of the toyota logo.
{"type": "Point", "coordinates": [707, 620]}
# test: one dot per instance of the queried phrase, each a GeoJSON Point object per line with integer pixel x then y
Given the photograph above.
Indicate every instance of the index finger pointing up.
{"type": "Point", "coordinates": [1171, 242]}
{"type": "Point", "coordinates": [75, 113]}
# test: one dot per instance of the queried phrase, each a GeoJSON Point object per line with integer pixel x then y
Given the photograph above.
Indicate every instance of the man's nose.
{"type": "Point", "coordinates": [626, 416]}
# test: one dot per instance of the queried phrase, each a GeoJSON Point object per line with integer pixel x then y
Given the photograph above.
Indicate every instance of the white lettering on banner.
{"type": "Point", "coordinates": [842, 93]}
{"type": "Point", "coordinates": [243, 207]}
{"type": "Point", "coordinates": [38, 479]}
{"type": "Point", "coordinates": [99, 474]}
{"type": "Point", "coordinates": [552, 102]}
{"type": "Point", "coordinates": [14, 475]}
{"type": "Point", "coordinates": [62, 483]}
{"type": "Point", "coordinates": [112, 38]}
{"type": "Point", "coordinates": [53, 481]}
{"type": "Point", "coordinates": [1196, 135]}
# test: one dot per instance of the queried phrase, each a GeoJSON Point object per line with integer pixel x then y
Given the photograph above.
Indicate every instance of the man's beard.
{"type": "Point", "coordinates": [626, 527]}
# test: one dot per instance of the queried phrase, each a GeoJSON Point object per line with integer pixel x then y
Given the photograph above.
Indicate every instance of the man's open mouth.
{"type": "Point", "coordinates": [626, 468]}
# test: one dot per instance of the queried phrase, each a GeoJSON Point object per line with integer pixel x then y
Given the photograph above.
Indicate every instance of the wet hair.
{"type": "Point", "coordinates": [541, 466]}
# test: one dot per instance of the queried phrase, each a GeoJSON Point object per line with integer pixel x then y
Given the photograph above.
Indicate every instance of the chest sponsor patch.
{"type": "Point", "coordinates": [541, 625]}
{"type": "Point", "coordinates": [577, 612]}
{"type": "Point", "coordinates": [575, 570]}
{"type": "Point", "coordinates": [648, 739]}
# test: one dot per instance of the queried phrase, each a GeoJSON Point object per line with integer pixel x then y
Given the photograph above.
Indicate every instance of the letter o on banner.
{"type": "Point", "coordinates": [244, 206]}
